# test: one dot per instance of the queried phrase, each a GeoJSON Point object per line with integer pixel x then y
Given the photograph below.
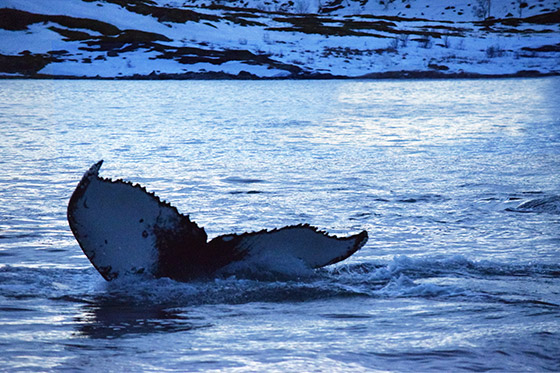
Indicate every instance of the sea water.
{"type": "Point", "coordinates": [456, 181]}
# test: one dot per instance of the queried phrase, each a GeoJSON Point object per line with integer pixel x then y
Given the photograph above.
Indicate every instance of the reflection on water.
{"type": "Point", "coordinates": [423, 113]}
{"type": "Point", "coordinates": [108, 318]}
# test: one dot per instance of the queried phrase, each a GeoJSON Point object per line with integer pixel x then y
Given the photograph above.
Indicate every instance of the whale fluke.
{"type": "Point", "coordinates": [124, 229]}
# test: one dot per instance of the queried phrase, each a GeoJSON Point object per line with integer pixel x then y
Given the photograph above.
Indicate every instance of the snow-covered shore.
{"type": "Point", "coordinates": [274, 39]}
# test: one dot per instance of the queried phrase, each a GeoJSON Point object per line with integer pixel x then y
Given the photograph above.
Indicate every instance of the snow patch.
{"type": "Point", "coordinates": [350, 39]}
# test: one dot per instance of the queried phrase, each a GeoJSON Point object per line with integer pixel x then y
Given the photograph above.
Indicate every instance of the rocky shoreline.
{"type": "Point", "coordinates": [219, 42]}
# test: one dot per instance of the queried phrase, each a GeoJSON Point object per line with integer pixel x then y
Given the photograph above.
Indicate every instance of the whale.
{"type": "Point", "coordinates": [124, 229]}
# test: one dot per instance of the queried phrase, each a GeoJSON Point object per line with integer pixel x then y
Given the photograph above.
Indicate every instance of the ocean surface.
{"type": "Point", "coordinates": [456, 181]}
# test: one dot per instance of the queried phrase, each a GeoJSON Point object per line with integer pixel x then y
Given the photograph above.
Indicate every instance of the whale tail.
{"type": "Point", "coordinates": [124, 229]}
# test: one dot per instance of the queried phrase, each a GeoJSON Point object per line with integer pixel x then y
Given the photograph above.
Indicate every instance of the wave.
{"type": "Point", "coordinates": [444, 277]}
{"type": "Point", "coordinates": [452, 266]}
{"type": "Point", "coordinates": [138, 304]}
{"type": "Point", "coordinates": [285, 281]}
{"type": "Point", "coordinates": [549, 205]}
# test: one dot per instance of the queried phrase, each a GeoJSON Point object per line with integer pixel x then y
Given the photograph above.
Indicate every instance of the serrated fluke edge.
{"type": "Point", "coordinates": [94, 172]}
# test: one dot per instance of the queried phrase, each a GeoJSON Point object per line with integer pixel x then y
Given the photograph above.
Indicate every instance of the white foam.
{"type": "Point", "coordinates": [269, 264]}
{"type": "Point", "coordinates": [403, 286]}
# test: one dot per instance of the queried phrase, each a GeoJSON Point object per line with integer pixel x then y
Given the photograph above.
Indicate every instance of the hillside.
{"type": "Point", "coordinates": [278, 39]}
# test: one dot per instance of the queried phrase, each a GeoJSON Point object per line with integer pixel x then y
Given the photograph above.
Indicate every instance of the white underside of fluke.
{"type": "Point", "coordinates": [123, 229]}
{"type": "Point", "coordinates": [315, 248]}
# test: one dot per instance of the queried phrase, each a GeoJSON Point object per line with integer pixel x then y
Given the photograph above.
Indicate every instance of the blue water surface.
{"type": "Point", "coordinates": [456, 181]}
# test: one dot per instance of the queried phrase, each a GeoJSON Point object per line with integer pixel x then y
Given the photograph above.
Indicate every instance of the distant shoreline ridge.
{"type": "Point", "coordinates": [149, 39]}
